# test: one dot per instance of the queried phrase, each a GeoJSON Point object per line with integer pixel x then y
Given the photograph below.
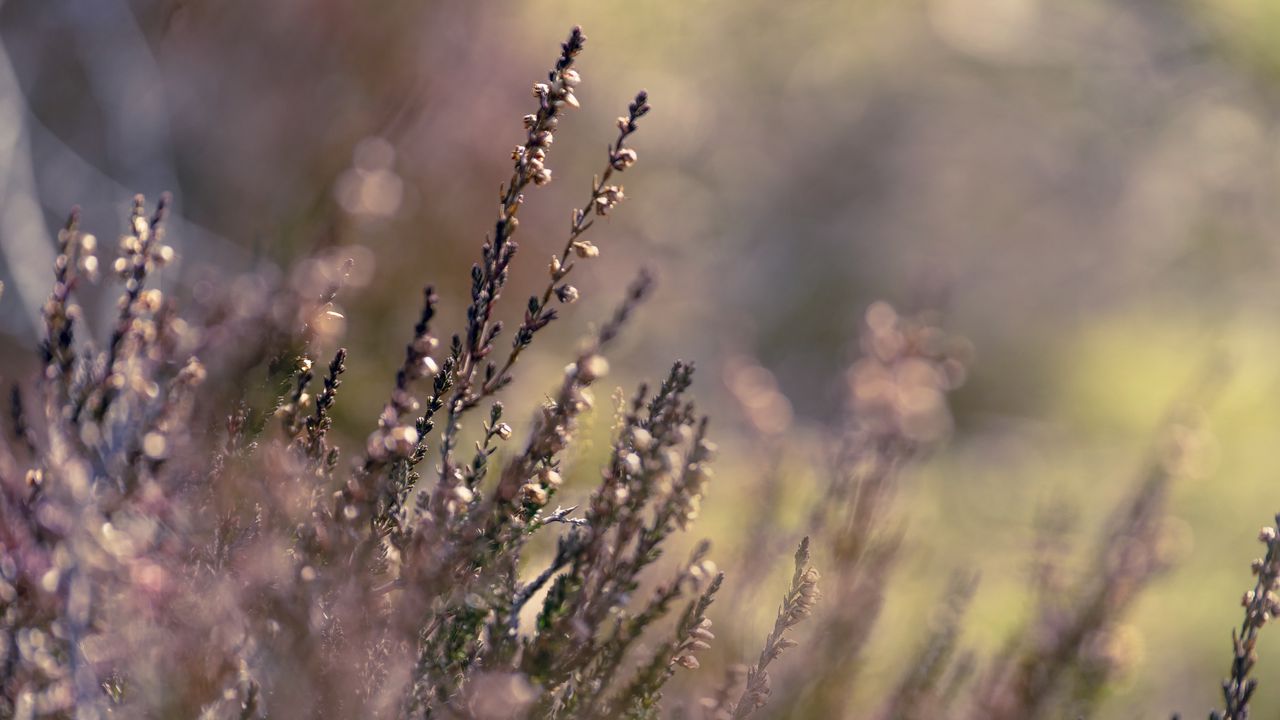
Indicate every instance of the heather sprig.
{"type": "Point", "coordinates": [317, 425]}
{"type": "Point", "coordinates": [929, 684]}
{"type": "Point", "coordinates": [141, 252]}
{"type": "Point", "coordinates": [75, 260]}
{"type": "Point", "coordinates": [796, 607]}
{"type": "Point", "coordinates": [417, 364]}
{"type": "Point", "coordinates": [901, 356]}
{"type": "Point", "coordinates": [641, 698]}
{"type": "Point", "coordinates": [489, 546]}
{"type": "Point", "coordinates": [604, 197]}
{"type": "Point", "coordinates": [293, 411]}
{"type": "Point", "coordinates": [638, 480]}
{"type": "Point", "coordinates": [1260, 605]}
{"type": "Point", "coordinates": [490, 275]}
{"type": "Point", "coordinates": [1065, 649]}
{"type": "Point", "coordinates": [396, 442]}
{"type": "Point", "coordinates": [693, 634]}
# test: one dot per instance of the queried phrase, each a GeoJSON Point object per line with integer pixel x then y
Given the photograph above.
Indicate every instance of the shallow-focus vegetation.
{"type": "Point", "coordinates": [201, 516]}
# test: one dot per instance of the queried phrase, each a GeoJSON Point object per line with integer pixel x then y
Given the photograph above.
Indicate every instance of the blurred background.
{"type": "Point", "coordinates": [1084, 190]}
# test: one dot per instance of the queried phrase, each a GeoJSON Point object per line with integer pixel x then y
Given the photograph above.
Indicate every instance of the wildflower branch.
{"type": "Point", "coordinates": [291, 410]}
{"type": "Point", "coordinates": [142, 252]}
{"type": "Point", "coordinates": [606, 658]}
{"type": "Point", "coordinates": [553, 430]}
{"type": "Point", "coordinates": [489, 544]}
{"type": "Point", "coordinates": [919, 694]}
{"type": "Point", "coordinates": [641, 697]}
{"type": "Point", "coordinates": [604, 197]}
{"type": "Point", "coordinates": [490, 275]}
{"type": "Point", "coordinates": [1028, 676]}
{"type": "Point", "coordinates": [75, 260]}
{"type": "Point", "coordinates": [391, 434]}
{"type": "Point", "coordinates": [1260, 605]}
{"type": "Point", "coordinates": [797, 606]}
{"type": "Point", "coordinates": [394, 441]}
{"type": "Point", "coordinates": [566, 547]}
{"type": "Point", "coordinates": [317, 426]}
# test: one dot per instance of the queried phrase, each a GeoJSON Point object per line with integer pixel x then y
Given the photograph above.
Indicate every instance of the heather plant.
{"type": "Point", "coordinates": [1260, 605]}
{"type": "Point", "coordinates": [183, 535]}
{"type": "Point", "coordinates": [152, 567]}
{"type": "Point", "coordinates": [1075, 641]}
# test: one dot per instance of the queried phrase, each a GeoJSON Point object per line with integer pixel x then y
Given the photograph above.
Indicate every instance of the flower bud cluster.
{"type": "Point", "coordinates": [142, 251]}
{"type": "Point", "coordinates": [535, 493]}
{"type": "Point", "coordinates": [699, 639]}
{"type": "Point", "coordinates": [606, 199]}
{"type": "Point", "coordinates": [805, 597]}
{"type": "Point", "coordinates": [1263, 603]}
{"type": "Point", "coordinates": [552, 96]}
{"type": "Point", "coordinates": [75, 260]}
